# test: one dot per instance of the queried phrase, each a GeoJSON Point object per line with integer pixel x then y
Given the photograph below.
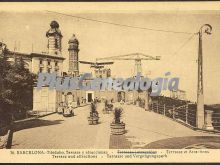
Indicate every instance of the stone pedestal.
{"type": "Point", "coordinates": [146, 102]}
{"type": "Point", "coordinates": [200, 112]}
{"type": "Point", "coordinates": [137, 103]}
{"type": "Point", "coordinates": [208, 120]}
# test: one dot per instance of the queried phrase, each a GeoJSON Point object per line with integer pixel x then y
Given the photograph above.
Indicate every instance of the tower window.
{"type": "Point", "coordinates": [56, 43]}
{"type": "Point", "coordinates": [56, 63]}
{"type": "Point", "coordinates": [48, 62]}
{"type": "Point", "coordinates": [41, 61]}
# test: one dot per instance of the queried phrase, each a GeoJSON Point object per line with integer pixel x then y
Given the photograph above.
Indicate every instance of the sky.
{"type": "Point", "coordinates": [104, 40]}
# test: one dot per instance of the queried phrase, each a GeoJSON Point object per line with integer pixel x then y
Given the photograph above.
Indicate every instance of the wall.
{"type": "Point", "coordinates": [45, 100]}
{"type": "Point", "coordinates": [36, 65]}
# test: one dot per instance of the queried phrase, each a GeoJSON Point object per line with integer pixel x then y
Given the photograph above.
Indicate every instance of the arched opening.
{"type": "Point", "coordinates": [121, 96]}
{"type": "Point", "coordinates": [69, 97]}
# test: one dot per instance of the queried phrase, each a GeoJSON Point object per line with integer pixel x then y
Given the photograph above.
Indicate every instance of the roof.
{"type": "Point", "coordinates": [73, 39]}
{"type": "Point", "coordinates": [54, 24]}
{"type": "Point", "coordinates": [47, 56]}
{"type": "Point", "coordinates": [31, 55]}
{"type": "Point", "coordinates": [27, 55]}
{"type": "Point", "coordinates": [54, 29]}
{"type": "Point", "coordinates": [18, 53]}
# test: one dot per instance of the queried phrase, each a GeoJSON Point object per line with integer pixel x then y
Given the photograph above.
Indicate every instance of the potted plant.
{"type": "Point", "coordinates": [108, 107]}
{"type": "Point", "coordinates": [117, 126]}
{"type": "Point", "coordinates": [94, 115]}
{"type": "Point", "coordinates": [68, 111]}
{"type": "Point", "coordinates": [60, 108]}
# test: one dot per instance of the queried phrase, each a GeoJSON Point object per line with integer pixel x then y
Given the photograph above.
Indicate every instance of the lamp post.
{"type": "Point", "coordinates": [205, 29]}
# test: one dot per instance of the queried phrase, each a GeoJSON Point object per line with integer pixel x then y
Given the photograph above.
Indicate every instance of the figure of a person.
{"type": "Point", "coordinates": [106, 103]}
{"type": "Point", "coordinates": [82, 100]}
{"type": "Point", "coordinates": [78, 102]}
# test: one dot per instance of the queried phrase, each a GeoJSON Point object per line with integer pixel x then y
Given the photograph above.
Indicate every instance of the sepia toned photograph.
{"type": "Point", "coordinates": [72, 78]}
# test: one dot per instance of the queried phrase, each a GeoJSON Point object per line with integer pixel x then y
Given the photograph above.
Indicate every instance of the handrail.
{"type": "Point", "coordinates": [181, 113]}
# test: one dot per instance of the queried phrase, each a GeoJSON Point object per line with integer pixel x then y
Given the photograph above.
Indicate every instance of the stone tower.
{"type": "Point", "coordinates": [54, 39]}
{"type": "Point", "coordinates": [73, 56]}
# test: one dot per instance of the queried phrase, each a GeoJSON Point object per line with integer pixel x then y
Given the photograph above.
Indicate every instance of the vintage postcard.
{"type": "Point", "coordinates": [109, 82]}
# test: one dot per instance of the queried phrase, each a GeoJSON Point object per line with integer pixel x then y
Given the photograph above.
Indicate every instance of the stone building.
{"type": "Point", "coordinates": [36, 62]}
{"type": "Point", "coordinates": [102, 72]}
{"type": "Point", "coordinates": [52, 61]}
{"type": "Point", "coordinates": [73, 68]}
{"type": "Point", "coordinates": [54, 39]}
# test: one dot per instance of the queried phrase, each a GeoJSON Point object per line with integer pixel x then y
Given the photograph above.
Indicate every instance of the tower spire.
{"type": "Point", "coordinates": [73, 56]}
{"type": "Point", "coordinates": [54, 39]}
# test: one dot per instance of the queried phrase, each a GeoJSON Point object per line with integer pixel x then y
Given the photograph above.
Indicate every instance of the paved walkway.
{"type": "Point", "coordinates": [143, 128]}
{"type": "Point", "coordinates": [67, 132]}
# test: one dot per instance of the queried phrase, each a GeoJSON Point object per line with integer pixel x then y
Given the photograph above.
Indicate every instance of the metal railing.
{"type": "Point", "coordinates": [216, 120]}
{"type": "Point", "coordinates": [184, 113]}
{"type": "Point", "coordinates": [187, 114]}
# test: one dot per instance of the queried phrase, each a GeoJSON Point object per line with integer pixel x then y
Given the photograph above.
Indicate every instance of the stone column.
{"type": "Point", "coordinates": [45, 66]}
{"type": "Point", "coordinates": [200, 111]}
{"type": "Point", "coordinates": [63, 97]}
{"type": "Point", "coordinates": [208, 120]}
{"type": "Point", "coordinates": [146, 101]}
